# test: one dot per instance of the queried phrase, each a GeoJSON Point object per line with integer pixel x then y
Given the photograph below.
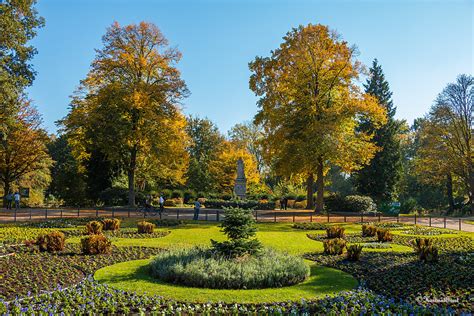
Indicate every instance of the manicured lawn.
{"type": "Point", "coordinates": [133, 276]}
{"type": "Point", "coordinates": [280, 236]}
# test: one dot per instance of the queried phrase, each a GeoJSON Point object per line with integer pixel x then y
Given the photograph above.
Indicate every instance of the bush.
{"type": "Point", "coordinates": [111, 224]}
{"type": "Point", "coordinates": [335, 232]}
{"type": "Point", "coordinates": [188, 196]}
{"type": "Point", "coordinates": [239, 226]}
{"type": "Point", "coordinates": [300, 205]}
{"type": "Point", "coordinates": [300, 198]}
{"type": "Point", "coordinates": [334, 246]}
{"type": "Point", "coordinates": [310, 226]}
{"type": "Point", "coordinates": [408, 205]}
{"type": "Point", "coordinates": [334, 203]}
{"type": "Point", "coordinates": [369, 231]}
{"type": "Point", "coordinates": [350, 203]}
{"type": "Point", "coordinates": [169, 203]}
{"type": "Point", "coordinates": [201, 195]}
{"type": "Point", "coordinates": [114, 196]}
{"type": "Point", "coordinates": [425, 249]}
{"type": "Point", "coordinates": [359, 203]}
{"type": "Point", "coordinates": [145, 227]}
{"type": "Point", "coordinates": [51, 242]}
{"type": "Point", "coordinates": [177, 194]}
{"type": "Point", "coordinates": [173, 202]}
{"type": "Point", "coordinates": [353, 252]}
{"type": "Point", "coordinates": [226, 197]}
{"type": "Point", "coordinates": [94, 228]}
{"type": "Point", "coordinates": [95, 244]}
{"type": "Point", "coordinates": [245, 204]}
{"type": "Point", "coordinates": [203, 268]}
{"type": "Point", "coordinates": [384, 235]}
{"type": "Point", "coordinates": [166, 193]}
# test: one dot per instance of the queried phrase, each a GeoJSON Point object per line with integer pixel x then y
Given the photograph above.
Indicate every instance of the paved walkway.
{"type": "Point", "coordinates": [215, 215]}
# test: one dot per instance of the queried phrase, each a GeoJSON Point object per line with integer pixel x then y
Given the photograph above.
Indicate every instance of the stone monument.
{"type": "Point", "coordinates": [240, 186]}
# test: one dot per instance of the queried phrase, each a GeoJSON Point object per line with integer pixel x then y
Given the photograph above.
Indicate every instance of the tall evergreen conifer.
{"type": "Point", "coordinates": [379, 178]}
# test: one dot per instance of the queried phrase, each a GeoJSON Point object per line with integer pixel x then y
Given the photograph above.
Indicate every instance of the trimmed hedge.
{"type": "Point", "coordinates": [244, 204]}
{"type": "Point", "coordinates": [350, 203]}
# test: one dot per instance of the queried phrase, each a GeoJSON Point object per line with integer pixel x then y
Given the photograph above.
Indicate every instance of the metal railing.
{"type": "Point", "coordinates": [216, 215]}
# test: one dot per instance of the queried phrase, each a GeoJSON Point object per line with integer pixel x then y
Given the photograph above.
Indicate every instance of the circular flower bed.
{"type": "Point", "coordinates": [199, 267]}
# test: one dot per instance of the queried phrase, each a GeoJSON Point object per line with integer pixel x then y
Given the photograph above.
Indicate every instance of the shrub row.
{"type": "Point", "coordinates": [383, 235]}
{"type": "Point", "coordinates": [245, 204]}
{"type": "Point", "coordinates": [350, 203]}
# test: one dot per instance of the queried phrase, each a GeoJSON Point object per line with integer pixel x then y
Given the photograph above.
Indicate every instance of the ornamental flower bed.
{"type": "Point", "coordinates": [445, 244]}
{"type": "Point", "coordinates": [29, 272]}
{"type": "Point", "coordinates": [89, 297]}
{"type": "Point", "coordinates": [446, 283]}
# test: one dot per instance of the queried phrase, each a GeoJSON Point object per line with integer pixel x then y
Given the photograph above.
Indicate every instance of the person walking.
{"type": "Point", "coordinates": [162, 203]}
{"type": "Point", "coordinates": [9, 198]}
{"type": "Point", "coordinates": [197, 207]}
{"type": "Point", "coordinates": [17, 200]}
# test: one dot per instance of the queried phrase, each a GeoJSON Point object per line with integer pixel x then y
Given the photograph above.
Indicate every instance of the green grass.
{"type": "Point", "coordinates": [134, 276]}
{"type": "Point", "coordinates": [280, 236]}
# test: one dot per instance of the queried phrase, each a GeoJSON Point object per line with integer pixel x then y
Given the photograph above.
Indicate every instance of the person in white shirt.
{"type": "Point", "coordinates": [162, 203]}
{"type": "Point", "coordinates": [17, 200]}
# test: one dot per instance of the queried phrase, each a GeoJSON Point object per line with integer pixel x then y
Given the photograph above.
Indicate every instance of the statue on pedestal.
{"type": "Point", "coordinates": [240, 186]}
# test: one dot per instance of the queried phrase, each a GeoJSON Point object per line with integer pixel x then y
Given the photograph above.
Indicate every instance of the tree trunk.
{"type": "Point", "coordinates": [320, 185]}
{"type": "Point", "coordinates": [471, 197]}
{"type": "Point", "coordinates": [6, 190]}
{"type": "Point", "coordinates": [449, 191]}
{"type": "Point", "coordinates": [131, 176]}
{"type": "Point", "coordinates": [309, 192]}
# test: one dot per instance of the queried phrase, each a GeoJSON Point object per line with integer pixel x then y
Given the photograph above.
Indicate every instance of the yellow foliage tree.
{"type": "Point", "coordinates": [24, 159]}
{"type": "Point", "coordinates": [311, 107]}
{"type": "Point", "coordinates": [128, 106]}
{"type": "Point", "coordinates": [224, 168]}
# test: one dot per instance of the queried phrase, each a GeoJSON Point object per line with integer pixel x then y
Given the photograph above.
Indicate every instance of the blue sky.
{"type": "Point", "coordinates": [422, 46]}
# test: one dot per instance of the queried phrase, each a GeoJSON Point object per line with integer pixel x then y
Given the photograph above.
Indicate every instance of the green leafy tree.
{"type": "Point", "coordinates": [67, 182]}
{"type": "Point", "coordinates": [19, 21]}
{"type": "Point", "coordinates": [448, 138]}
{"type": "Point", "coordinates": [417, 189]}
{"type": "Point", "coordinates": [203, 149]}
{"type": "Point", "coordinates": [378, 179]}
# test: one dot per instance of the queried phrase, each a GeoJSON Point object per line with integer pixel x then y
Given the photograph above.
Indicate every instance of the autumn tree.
{"type": "Point", "coordinates": [249, 136]}
{"type": "Point", "coordinates": [19, 21]}
{"type": "Point", "coordinates": [128, 107]}
{"type": "Point", "coordinates": [446, 148]}
{"type": "Point", "coordinates": [224, 168]}
{"type": "Point", "coordinates": [311, 107]}
{"type": "Point", "coordinates": [378, 179]}
{"type": "Point", "coordinates": [23, 154]}
{"type": "Point", "coordinates": [204, 148]}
